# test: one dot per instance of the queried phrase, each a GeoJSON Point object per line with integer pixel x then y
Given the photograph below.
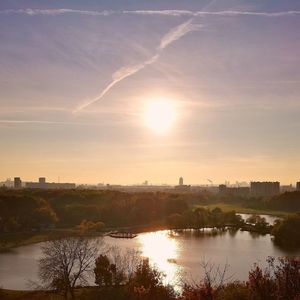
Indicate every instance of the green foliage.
{"type": "Point", "coordinates": [28, 209]}
{"type": "Point", "coordinates": [200, 218]}
{"type": "Point", "coordinates": [259, 222]}
{"type": "Point", "coordinates": [20, 212]}
{"type": "Point", "coordinates": [90, 226]}
{"type": "Point", "coordinates": [288, 201]}
{"type": "Point", "coordinates": [287, 231]}
{"type": "Point", "coordinates": [176, 221]}
{"type": "Point", "coordinates": [104, 271]}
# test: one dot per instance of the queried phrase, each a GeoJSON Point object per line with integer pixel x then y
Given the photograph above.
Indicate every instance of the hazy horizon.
{"type": "Point", "coordinates": [127, 91]}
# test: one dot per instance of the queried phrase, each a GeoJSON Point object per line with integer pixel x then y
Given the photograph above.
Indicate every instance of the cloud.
{"type": "Point", "coordinates": [171, 13]}
{"type": "Point", "coordinates": [178, 32]}
{"type": "Point", "coordinates": [35, 122]}
{"type": "Point", "coordinates": [170, 37]}
{"type": "Point", "coordinates": [54, 12]}
{"type": "Point", "coordinates": [224, 13]}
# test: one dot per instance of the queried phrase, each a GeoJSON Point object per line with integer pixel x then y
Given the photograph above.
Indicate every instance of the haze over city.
{"type": "Point", "coordinates": [127, 91]}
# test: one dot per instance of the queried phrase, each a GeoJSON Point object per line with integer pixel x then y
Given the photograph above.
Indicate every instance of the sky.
{"type": "Point", "coordinates": [76, 78]}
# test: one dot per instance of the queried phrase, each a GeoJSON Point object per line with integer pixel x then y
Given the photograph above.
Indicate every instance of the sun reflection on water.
{"type": "Point", "coordinates": [163, 251]}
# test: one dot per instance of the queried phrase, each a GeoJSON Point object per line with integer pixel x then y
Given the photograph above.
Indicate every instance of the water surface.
{"type": "Point", "coordinates": [176, 254]}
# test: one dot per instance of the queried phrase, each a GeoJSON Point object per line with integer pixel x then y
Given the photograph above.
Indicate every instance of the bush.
{"type": "Point", "coordinates": [286, 232]}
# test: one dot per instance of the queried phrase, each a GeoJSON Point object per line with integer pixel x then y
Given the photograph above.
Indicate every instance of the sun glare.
{"type": "Point", "coordinates": [160, 115]}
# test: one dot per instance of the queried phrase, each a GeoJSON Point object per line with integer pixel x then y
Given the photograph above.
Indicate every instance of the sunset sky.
{"type": "Point", "coordinates": [126, 91]}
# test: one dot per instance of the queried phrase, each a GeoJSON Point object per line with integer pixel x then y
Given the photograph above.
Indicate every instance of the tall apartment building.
{"type": "Point", "coordinates": [263, 189]}
{"type": "Point", "coordinates": [17, 183]}
{"type": "Point", "coordinates": [298, 186]}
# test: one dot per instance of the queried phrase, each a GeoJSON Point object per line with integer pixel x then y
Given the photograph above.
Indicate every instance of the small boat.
{"type": "Point", "coordinates": [122, 235]}
{"type": "Point", "coordinates": [172, 260]}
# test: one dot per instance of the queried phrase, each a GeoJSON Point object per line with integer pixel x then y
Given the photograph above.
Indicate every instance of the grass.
{"type": "Point", "coordinates": [30, 295]}
{"type": "Point", "coordinates": [244, 210]}
{"type": "Point", "coordinates": [80, 293]}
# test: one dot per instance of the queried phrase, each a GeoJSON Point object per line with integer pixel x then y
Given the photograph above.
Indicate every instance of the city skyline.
{"type": "Point", "coordinates": [9, 182]}
{"type": "Point", "coordinates": [124, 93]}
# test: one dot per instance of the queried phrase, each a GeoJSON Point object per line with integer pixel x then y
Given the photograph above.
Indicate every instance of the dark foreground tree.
{"type": "Point", "coordinates": [147, 284]}
{"type": "Point", "coordinates": [280, 280]}
{"type": "Point", "coordinates": [67, 263]}
{"type": "Point", "coordinates": [286, 232]}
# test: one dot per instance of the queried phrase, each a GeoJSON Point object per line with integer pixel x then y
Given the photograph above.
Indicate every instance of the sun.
{"type": "Point", "coordinates": [160, 115]}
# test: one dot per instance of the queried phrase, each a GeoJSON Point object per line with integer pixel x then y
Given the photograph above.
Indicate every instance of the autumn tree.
{"type": "Point", "coordinates": [66, 263]}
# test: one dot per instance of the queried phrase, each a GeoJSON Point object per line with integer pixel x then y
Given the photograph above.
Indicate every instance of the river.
{"type": "Point", "coordinates": [178, 255]}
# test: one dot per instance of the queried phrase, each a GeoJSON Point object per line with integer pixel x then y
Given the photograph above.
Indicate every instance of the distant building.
{"type": "Point", "coordinates": [298, 186]}
{"type": "Point", "coordinates": [17, 183]}
{"type": "Point", "coordinates": [42, 180]}
{"type": "Point", "coordinates": [42, 184]}
{"type": "Point", "coordinates": [8, 183]}
{"type": "Point", "coordinates": [180, 181]}
{"type": "Point", "coordinates": [182, 187]}
{"type": "Point", "coordinates": [264, 189]}
{"type": "Point", "coordinates": [287, 188]}
{"type": "Point", "coordinates": [236, 191]}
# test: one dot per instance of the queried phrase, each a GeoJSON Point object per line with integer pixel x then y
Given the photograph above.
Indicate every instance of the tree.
{"type": "Point", "coordinates": [66, 263]}
{"type": "Point", "coordinates": [105, 272]}
{"type": "Point", "coordinates": [209, 287]}
{"type": "Point", "coordinates": [90, 226]}
{"type": "Point", "coordinates": [286, 232]}
{"type": "Point", "coordinates": [175, 221]}
{"type": "Point", "coordinates": [280, 280]}
{"type": "Point", "coordinates": [147, 283]}
{"type": "Point", "coordinates": [116, 267]}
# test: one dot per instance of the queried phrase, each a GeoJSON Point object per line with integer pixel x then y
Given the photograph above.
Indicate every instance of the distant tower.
{"type": "Point", "coordinates": [42, 180]}
{"type": "Point", "coordinates": [180, 181]}
{"type": "Point", "coordinates": [17, 183]}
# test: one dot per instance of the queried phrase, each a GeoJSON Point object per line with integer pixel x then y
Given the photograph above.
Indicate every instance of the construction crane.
{"type": "Point", "coordinates": [209, 180]}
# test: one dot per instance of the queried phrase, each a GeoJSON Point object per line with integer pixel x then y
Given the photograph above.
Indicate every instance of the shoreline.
{"type": "Point", "coordinates": [10, 241]}
{"type": "Point", "coordinates": [44, 236]}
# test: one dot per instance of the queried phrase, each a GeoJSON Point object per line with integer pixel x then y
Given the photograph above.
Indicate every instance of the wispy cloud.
{"type": "Point", "coordinates": [43, 122]}
{"type": "Point", "coordinates": [173, 35]}
{"type": "Point", "coordinates": [54, 12]}
{"type": "Point", "coordinates": [34, 122]}
{"type": "Point", "coordinates": [172, 13]}
{"type": "Point", "coordinates": [230, 13]}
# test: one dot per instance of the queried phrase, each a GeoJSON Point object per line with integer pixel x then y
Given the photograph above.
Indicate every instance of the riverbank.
{"type": "Point", "coordinates": [12, 240]}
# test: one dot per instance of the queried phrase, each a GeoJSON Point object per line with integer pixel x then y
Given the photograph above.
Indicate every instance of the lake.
{"type": "Point", "coordinates": [176, 254]}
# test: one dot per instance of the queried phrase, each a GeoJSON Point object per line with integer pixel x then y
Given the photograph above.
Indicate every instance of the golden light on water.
{"type": "Point", "coordinates": [163, 255]}
{"type": "Point", "coordinates": [160, 115]}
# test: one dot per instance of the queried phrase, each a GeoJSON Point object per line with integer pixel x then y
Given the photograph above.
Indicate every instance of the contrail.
{"type": "Point", "coordinates": [173, 35]}
{"type": "Point", "coordinates": [35, 122]}
{"type": "Point", "coordinates": [172, 13]}
{"type": "Point", "coordinates": [54, 12]}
